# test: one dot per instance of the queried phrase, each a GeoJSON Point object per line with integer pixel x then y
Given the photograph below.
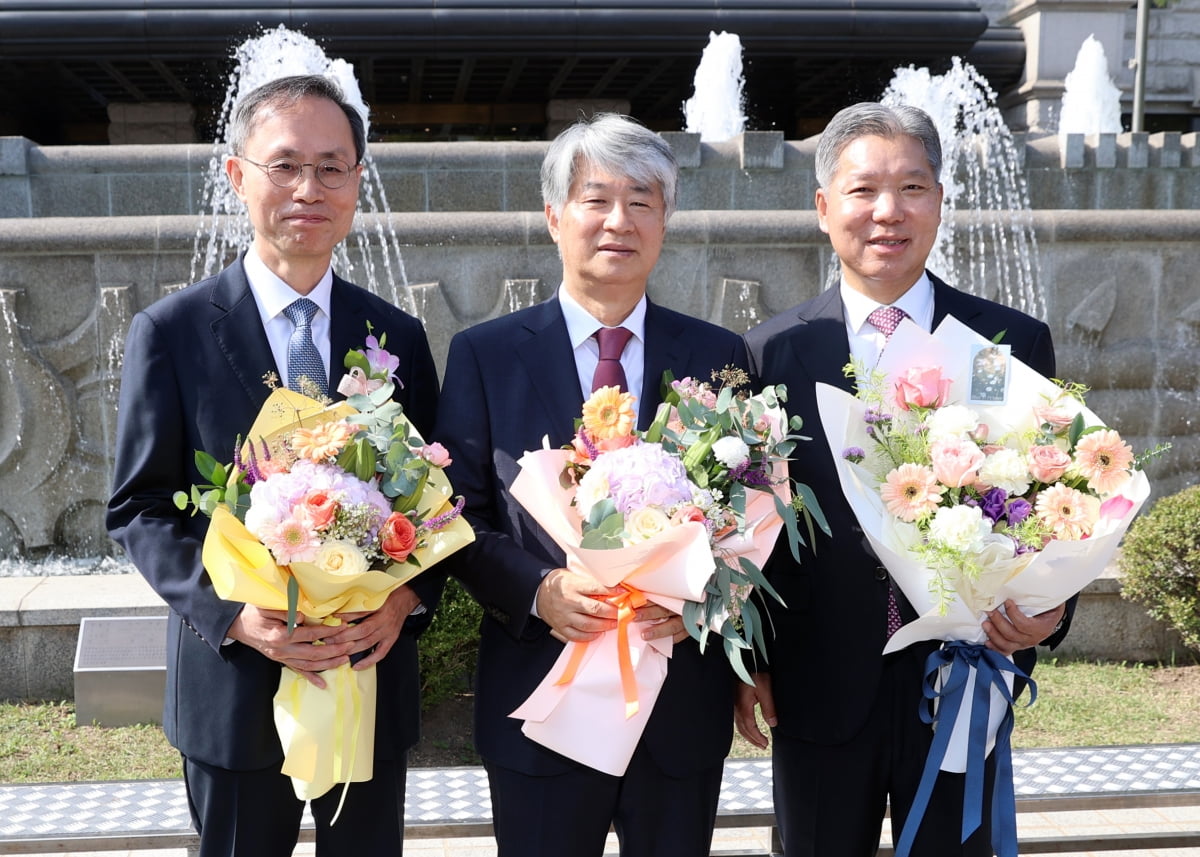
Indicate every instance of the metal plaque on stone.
{"type": "Point", "coordinates": [120, 670]}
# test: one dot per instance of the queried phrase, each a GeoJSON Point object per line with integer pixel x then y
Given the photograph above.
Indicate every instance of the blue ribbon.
{"type": "Point", "coordinates": [989, 667]}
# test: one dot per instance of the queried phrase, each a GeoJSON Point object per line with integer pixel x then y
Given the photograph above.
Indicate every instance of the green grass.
{"type": "Point", "coordinates": [1083, 704]}
{"type": "Point", "coordinates": [1079, 704]}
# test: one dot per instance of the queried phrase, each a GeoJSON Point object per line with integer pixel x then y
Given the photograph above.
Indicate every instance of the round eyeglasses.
{"type": "Point", "coordinates": [287, 172]}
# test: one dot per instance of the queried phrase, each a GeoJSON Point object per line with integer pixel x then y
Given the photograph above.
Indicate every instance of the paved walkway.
{"type": "Point", "coordinates": [1150, 773]}
{"type": "Point", "coordinates": [759, 839]}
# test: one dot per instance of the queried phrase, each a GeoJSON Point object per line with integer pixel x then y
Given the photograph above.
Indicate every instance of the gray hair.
{"type": "Point", "coordinates": [284, 92]}
{"type": "Point", "coordinates": [616, 144]}
{"type": "Point", "coordinates": [871, 119]}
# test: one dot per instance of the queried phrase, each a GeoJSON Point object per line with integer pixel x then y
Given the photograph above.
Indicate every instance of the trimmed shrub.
{"type": "Point", "coordinates": [449, 646]}
{"type": "Point", "coordinates": [1160, 562]}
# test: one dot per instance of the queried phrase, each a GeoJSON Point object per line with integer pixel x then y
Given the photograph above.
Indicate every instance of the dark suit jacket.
{"type": "Point", "coordinates": [825, 657]}
{"type": "Point", "coordinates": [193, 379]}
{"type": "Point", "coordinates": [509, 382]}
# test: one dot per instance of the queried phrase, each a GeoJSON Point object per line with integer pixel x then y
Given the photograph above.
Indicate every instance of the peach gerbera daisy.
{"type": "Point", "coordinates": [322, 443]}
{"type": "Point", "coordinates": [911, 491]}
{"type": "Point", "coordinates": [1070, 514]}
{"type": "Point", "coordinates": [609, 414]}
{"type": "Point", "coordinates": [1103, 459]}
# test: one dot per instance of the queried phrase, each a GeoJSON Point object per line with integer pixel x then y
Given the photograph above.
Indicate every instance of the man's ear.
{"type": "Point", "coordinates": [552, 222]}
{"type": "Point", "coordinates": [822, 206]}
{"type": "Point", "coordinates": [237, 175]}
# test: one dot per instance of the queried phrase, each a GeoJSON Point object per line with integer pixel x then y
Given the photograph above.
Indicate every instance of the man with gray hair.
{"type": "Point", "coordinates": [609, 188]}
{"type": "Point", "coordinates": [193, 379]}
{"type": "Point", "coordinates": [844, 718]}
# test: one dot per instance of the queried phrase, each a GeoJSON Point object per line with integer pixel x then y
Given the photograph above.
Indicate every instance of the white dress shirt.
{"type": "Point", "coordinates": [273, 296]}
{"type": "Point", "coordinates": [580, 327]}
{"type": "Point", "coordinates": [866, 340]}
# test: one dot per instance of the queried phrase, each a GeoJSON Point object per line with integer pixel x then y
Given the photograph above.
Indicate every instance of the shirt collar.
{"type": "Point", "coordinates": [917, 302]}
{"type": "Point", "coordinates": [581, 324]}
{"type": "Point", "coordinates": [274, 295]}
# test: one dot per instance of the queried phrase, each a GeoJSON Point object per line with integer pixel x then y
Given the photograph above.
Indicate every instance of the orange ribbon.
{"type": "Point", "coordinates": [627, 601]}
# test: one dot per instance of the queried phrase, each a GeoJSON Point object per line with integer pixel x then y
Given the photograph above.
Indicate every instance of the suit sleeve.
{"type": "Point", "coordinates": [501, 575]}
{"type": "Point", "coordinates": [151, 464]}
{"type": "Point", "coordinates": [419, 398]}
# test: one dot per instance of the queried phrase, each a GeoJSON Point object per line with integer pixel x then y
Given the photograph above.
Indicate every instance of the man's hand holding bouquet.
{"type": "Point", "coordinates": [326, 510]}
{"type": "Point", "coordinates": [682, 515]}
{"type": "Point", "coordinates": [978, 482]}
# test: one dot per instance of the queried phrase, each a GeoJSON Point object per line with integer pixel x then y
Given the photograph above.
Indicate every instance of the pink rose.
{"type": "Point", "coordinates": [398, 537]}
{"type": "Point", "coordinates": [922, 387]}
{"type": "Point", "coordinates": [955, 462]}
{"type": "Point", "coordinates": [1048, 463]}
{"type": "Point", "coordinates": [268, 467]}
{"type": "Point", "coordinates": [321, 508]}
{"type": "Point", "coordinates": [1115, 508]}
{"type": "Point", "coordinates": [1054, 417]}
{"type": "Point", "coordinates": [436, 454]}
{"type": "Point", "coordinates": [685, 514]}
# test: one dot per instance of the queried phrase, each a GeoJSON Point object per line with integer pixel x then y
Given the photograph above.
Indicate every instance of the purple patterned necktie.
{"type": "Point", "coordinates": [608, 371]}
{"type": "Point", "coordinates": [887, 319]}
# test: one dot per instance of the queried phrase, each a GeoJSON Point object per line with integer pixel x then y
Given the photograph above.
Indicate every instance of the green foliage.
{"type": "Point", "coordinates": [1161, 563]}
{"type": "Point", "coordinates": [449, 647]}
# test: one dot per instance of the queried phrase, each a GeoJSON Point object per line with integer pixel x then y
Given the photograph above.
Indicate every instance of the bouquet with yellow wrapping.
{"type": "Point", "coordinates": [325, 510]}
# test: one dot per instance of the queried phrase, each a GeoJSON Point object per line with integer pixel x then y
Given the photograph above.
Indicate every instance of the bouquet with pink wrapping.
{"type": "Point", "coordinates": [976, 481]}
{"type": "Point", "coordinates": [682, 515]}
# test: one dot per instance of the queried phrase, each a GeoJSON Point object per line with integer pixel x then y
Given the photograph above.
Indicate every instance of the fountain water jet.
{"type": "Point", "coordinates": [224, 229]}
{"type": "Point", "coordinates": [986, 241]}
{"type": "Point", "coordinates": [1091, 103]}
{"type": "Point", "coordinates": [715, 111]}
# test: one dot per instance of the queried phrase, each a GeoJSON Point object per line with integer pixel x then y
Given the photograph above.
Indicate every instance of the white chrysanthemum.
{"type": "Point", "coordinates": [961, 528]}
{"type": "Point", "coordinates": [731, 451]}
{"type": "Point", "coordinates": [1006, 469]}
{"type": "Point", "coordinates": [593, 488]}
{"type": "Point", "coordinates": [952, 421]}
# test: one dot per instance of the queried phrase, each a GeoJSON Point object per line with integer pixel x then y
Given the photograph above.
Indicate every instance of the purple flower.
{"type": "Point", "coordinates": [992, 504]}
{"type": "Point", "coordinates": [756, 477]}
{"type": "Point", "coordinates": [383, 364]}
{"type": "Point", "coordinates": [853, 454]}
{"type": "Point", "coordinates": [435, 524]}
{"type": "Point", "coordinates": [1018, 510]}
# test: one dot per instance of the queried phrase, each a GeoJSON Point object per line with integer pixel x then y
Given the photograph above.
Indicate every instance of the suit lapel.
{"type": "Point", "coordinates": [239, 333]}
{"type": "Point", "coordinates": [664, 349]}
{"type": "Point", "coordinates": [819, 341]}
{"type": "Point", "coordinates": [347, 330]}
{"type": "Point", "coordinates": [950, 301]}
{"type": "Point", "coordinates": [548, 365]}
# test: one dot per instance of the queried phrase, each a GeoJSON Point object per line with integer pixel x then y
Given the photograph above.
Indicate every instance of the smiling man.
{"type": "Point", "coordinates": [844, 718]}
{"type": "Point", "coordinates": [193, 379]}
{"type": "Point", "coordinates": [609, 190]}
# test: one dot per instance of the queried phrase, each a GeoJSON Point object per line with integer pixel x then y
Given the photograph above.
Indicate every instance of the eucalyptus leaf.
{"type": "Point", "coordinates": [293, 600]}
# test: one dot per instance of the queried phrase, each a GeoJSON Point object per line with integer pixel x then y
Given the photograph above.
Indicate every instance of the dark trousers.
{"type": "Point", "coordinates": [568, 815]}
{"type": "Point", "coordinates": [831, 800]}
{"type": "Point", "coordinates": [257, 813]}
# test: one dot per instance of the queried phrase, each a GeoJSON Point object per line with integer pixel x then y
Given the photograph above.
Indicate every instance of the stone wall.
{"type": "Point", "coordinates": [757, 171]}
{"type": "Point", "coordinates": [1119, 286]}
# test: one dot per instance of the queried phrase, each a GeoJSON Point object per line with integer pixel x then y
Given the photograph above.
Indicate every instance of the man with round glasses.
{"type": "Point", "coordinates": [288, 172]}
{"type": "Point", "coordinates": [193, 378]}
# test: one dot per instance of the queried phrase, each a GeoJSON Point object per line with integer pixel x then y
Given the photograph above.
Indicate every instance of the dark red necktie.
{"type": "Point", "coordinates": [887, 319]}
{"type": "Point", "coordinates": [608, 371]}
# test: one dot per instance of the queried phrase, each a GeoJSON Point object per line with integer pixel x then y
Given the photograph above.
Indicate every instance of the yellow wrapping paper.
{"type": "Point", "coordinates": [327, 735]}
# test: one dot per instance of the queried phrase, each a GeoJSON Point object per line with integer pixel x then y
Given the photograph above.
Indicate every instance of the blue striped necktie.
{"type": "Point", "coordinates": [303, 358]}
